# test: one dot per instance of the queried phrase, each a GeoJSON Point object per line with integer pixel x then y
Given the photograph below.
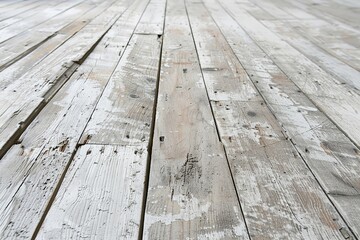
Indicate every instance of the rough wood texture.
{"type": "Point", "coordinates": [34, 177]}
{"type": "Point", "coordinates": [124, 113]}
{"type": "Point", "coordinates": [257, 148]}
{"type": "Point", "coordinates": [20, 102]}
{"type": "Point", "coordinates": [101, 195]}
{"type": "Point", "coordinates": [239, 121]}
{"type": "Point", "coordinates": [339, 102]}
{"type": "Point", "coordinates": [189, 179]}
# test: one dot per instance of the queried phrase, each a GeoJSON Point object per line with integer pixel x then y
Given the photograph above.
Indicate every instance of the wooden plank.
{"type": "Point", "coordinates": [123, 213]}
{"type": "Point", "coordinates": [53, 138]}
{"type": "Point", "coordinates": [46, 14]}
{"type": "Point", "coordinates": [124, 113]}
{"type": "Point", "coordinates": [189, 176]}
{"type": "Point", "coordinates": [265, 166]}
{"type": "Point", "coordinates": [331, 12]}
{"type": "Point", "coordinates": [21, 102]}
{"type": "Point", "coordinates": [331, 156]}
{"type": "Point", "coordinates": [338, 101]}
{"type": "Point", "coordinates": [153, 20]}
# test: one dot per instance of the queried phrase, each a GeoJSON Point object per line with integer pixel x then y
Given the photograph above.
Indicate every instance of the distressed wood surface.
{"type": "Point", "coordinates": [22, 101]}
{"type": "Point", "coordinates": [193, 119]}
{"type": "Point", "coordinates": [46, 13]}
{"type": "Point", "coordinates": [189, 178]}
{"type": "Point", "coordinates": [339, 102]}
{"type": "Point", "coordinates": [35, 180]}
{"type": "Point", "coordinates": [121, 167]}
{"type": "Point", "coordinates": [332, 157]}
{"type": "Point", "coordinates": [257, 148]}
{"type": "Point", "coordinates": [124, 113]}
{"type": "Point", "coordinates": [22, 44]}
{"type": "Point", "coordinates": [101, 195]}
{"type": "Point", "coordinates": [153, 20]}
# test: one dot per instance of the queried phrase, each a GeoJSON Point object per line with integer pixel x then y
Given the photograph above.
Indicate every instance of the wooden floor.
{"type": "Point", "coordinates": [168, 119]}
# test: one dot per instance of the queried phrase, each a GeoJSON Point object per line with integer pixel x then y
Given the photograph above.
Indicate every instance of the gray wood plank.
{"type": "Point", "coordinates": [101, 195]}
{"type": "Point", "coordinates": [189, 177]}
{"type": "Point", "coordinates": [338, 69]}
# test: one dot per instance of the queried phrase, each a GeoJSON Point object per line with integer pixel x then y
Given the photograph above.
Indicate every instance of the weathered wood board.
{"type": "Point", "coordinates": [189, 178]}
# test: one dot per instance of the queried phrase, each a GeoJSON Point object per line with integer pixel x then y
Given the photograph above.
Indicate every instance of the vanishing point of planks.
{"type": "Point", "coordinates": [190, 119]}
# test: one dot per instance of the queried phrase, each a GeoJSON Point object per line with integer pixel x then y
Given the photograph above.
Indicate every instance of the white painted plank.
{"type": "Point", "coordinates": [343, 72]}
{"type": "Point", "coordinates": [18, 8]}
{"type": "Point", "coordinates": [15, 51]}
{"type": "Point", "coordinates": [124, 209]}
{"type": "Point", "coordinates": [22, 44]}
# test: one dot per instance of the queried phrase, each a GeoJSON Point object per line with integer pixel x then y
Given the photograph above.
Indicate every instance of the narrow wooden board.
{"type": "Point", "coordinates": [124, 113]}
{"type": "Point", "coordinates": [189, 176]}
{"type": "Point", "coordinates": [153, 20]}
{"type": "Point", "coordinates": [53, 137]}
{"type": "Point", "coordinates": [266, 168]}
{"type": "Point", "coordinates": [18, 8]}
{"type": "Point", "coordinates": [338, 39]}
{"type": "Point", "coordinates": [26, 14]}
{"type": "Point", "coordinates": [331, 156]}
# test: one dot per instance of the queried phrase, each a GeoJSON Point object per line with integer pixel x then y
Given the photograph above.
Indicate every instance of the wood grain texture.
{"type": "Point", "coordinates": [47, 13]}
{"type": "Point", "coordinates": [153, 20]}
{"type": "Point", "coordinates": [124, 113]}
{"type": "Point", "coordinates": [64, 120]}
{"type": "Point", "coordinates": [23, 55]}
{"type": "Point", "coordinates": [24, 43]}
{"type": "Point", "coordinates": [189, 180]}
{"type": "Point", "coordinates": [22, 101]}
{"type": "Point", "coordinates": [267, 169]}
{"type": "Point", "coordinates": [339, 102]}
{"type": "Point", "coordinates": [122, 167]}
{"type": "Point", "coordinates": [101, 195]}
